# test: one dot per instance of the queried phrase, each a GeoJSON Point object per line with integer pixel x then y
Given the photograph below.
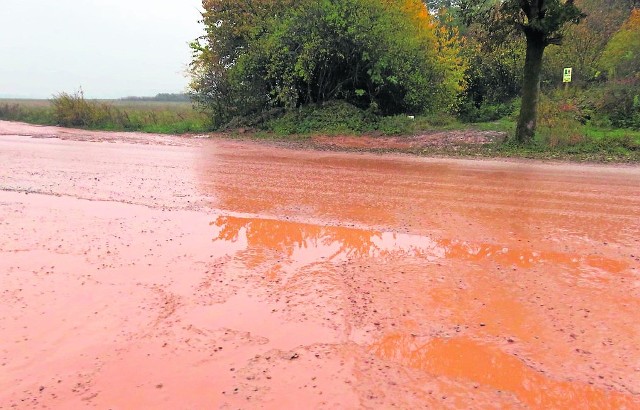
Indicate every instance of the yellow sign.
{"type": "Point", "coordinates": [568, 72]}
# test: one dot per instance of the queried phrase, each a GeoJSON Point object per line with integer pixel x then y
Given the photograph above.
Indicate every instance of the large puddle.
{"type": "Point", "coordinates": [300, 245]}
{"type": "Point", "coordinates": [167, 272]}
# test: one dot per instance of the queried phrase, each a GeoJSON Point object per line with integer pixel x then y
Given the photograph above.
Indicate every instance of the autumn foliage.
{"type": "Point", "coordinates": [283, 59]}
{"type": "Point", "coordinates": [387, 56]}
{"type": "Point", "coordinates": [621, 57]}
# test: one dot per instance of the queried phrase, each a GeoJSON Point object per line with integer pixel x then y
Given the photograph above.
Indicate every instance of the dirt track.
{"type": "Point", "coordinates": [145, 271]}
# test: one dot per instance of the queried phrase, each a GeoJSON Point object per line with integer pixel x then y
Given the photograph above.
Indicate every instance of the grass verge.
{"type": "Point", "coordinates": [108, 115]}
{"type": "Point", "coordinates": [559, 138]}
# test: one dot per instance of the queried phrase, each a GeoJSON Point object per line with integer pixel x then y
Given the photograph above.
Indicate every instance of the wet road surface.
{"type": "Point", "coordinates": [143, 271]}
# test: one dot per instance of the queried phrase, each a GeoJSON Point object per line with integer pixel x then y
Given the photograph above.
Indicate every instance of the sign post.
{"type": "Point", "coordinates": [567, 77]}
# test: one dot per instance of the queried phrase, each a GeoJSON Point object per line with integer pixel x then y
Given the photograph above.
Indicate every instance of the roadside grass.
{"type": "Point", "coordinates": [506, 124]}
{"type": "Point", "coordinates": [340, 118]}
{"type": "Point", "coordinates": [31, 111]}
{"type": "Point", "coordinates": [110, 115]}
{"type": "Point", "coordinates": [559, 136]}
{"type": "Point", "coordinates": [574, 141]}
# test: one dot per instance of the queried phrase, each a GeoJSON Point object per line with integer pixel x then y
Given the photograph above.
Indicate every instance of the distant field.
{"type": "Point", "coordinates": [151, 105]}
{"type": "Point", "coordinates": [25, 102]}
{"type": "Point", "coordinates": [117, 115]}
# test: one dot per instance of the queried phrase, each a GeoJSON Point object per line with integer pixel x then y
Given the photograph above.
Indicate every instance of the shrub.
{"type": "Point", "coordinates": [340, 117]}
{"type": "Point", "coordinates": [558, 123]}
{"type": "Point", "coordinates": [333, 117]}
{"type": "Point", "coordinates": [72, 110]}
{"type": "Point", "coordinates": [620, 102]}
{"type": "Point", "coordinates": [388, 55]}
{"type": "Point", "coordinates": [469, 112]}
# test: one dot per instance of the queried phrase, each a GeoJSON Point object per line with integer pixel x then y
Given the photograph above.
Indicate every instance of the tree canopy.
{"type": "Point", "coordinates": [542, 23]}
{"type": "Point", "coordinates": [545, 18]}
{"type": "Point", "coordinates": [621, 57]}
{"type": "Point", "coordinates": [477, 59]}
{"type": "Point", "coordinates": [389, 56]}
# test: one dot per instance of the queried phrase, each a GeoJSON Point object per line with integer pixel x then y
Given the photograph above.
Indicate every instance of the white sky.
{"type": "Point", "coordinates": [112, 48]}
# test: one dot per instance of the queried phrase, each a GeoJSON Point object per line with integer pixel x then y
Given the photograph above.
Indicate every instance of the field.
{"type": "Point", "coordinates": [114, 115]}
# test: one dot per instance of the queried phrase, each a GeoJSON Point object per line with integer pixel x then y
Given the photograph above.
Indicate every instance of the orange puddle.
{"type": "Point", "coordinates": [307, 243]}
{"type": "Point", "coordinates": [471, 362]}
{"type": "Point", "coordinates": [502, 201]}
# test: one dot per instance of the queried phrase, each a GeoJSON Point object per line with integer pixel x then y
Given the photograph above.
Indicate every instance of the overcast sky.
{"type": "Point", "coordinates": [112, 48]}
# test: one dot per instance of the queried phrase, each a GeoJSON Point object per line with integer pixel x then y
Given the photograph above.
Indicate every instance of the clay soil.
{"type": "Point", "coordinates": [141, 271]}
{"type": "Point", "coordinates": [450, 140]}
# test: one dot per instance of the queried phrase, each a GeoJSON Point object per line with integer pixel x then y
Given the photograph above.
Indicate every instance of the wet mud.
{"type": "Point", "coordinates": [168, 272]}
{"type": "Point", "coordinates": [453, 140]}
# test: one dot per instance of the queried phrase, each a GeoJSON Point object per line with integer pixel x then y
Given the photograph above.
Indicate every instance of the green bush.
{"type": "Point", "coordinates": [72, 110]}
{"type": "Point", "coordinates": [334, 117]}
{"type": "Point", "coordinates": [568, 124]}
{"type": "Point", "coordinates": [561, 120]}
{"type": "Point", "coordinates": [390, 56]}
{"type": "Point", "coordinates": [340, 117]}
{"type": "Point", "coordinates": [469, 112]}
{"type": "Point", "coordinates": [620, 102]}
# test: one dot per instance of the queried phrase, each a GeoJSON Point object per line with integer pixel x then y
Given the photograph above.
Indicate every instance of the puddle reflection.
{"type": "Point", "coordinates": [469, 361]}
{"type": "Point", "coordinates": [303, 244]}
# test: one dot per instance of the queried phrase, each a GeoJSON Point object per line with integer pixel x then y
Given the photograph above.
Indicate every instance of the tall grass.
{"type": "Point", "coordinates": [31, 111]}
{"type": "Point", "coordinates": [73, 110]}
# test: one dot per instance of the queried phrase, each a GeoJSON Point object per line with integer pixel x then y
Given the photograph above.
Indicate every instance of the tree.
{"type": "Point", "coordinates": [230, 26]}
{"type": "Point", "coordinates": [389, 56]}
{"type": "Point", "coordinates": [621, 60]}
{"type": "Point", "coordinates": [621, 57]}
{"type": "Point", "coordinates": [584, 44]}
{"type": "Point", "coordinates": [493, 77]}
{"type": "Point", "coordinates": [541, 22]}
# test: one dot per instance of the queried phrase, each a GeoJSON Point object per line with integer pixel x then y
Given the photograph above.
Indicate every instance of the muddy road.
{"type": "Point", "coordinates": [141, 271]}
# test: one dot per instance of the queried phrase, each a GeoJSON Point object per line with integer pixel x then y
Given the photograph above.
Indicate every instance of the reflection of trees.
{"type": "Point", "coordinates": [479, 252]}
{"type": "Point", "coordinates": [307, 244]}
{"type": "Point", "coordinates": [526, 258]}
{"type": "Point", "coordinates": [286, 237]}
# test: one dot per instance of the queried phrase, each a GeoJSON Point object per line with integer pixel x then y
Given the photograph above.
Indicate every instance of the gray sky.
{"type": "Point", "coordinates": [112, 48]}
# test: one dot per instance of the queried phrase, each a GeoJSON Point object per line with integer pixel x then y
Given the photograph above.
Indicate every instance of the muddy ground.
{"type": "Point", "coordinates": [141, 271]}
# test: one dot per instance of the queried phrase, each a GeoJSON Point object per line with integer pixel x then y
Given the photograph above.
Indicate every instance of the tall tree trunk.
{"type": "Point", "coordinates": [527, 121]}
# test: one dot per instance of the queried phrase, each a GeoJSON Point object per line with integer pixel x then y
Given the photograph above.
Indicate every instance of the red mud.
{"type": "Point", "coordinates": [173, 272]}
{"type": "Point", "coordinates": [453, 139]}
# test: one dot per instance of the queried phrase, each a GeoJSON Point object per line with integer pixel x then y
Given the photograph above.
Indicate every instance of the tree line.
{"type": "Point", "coordinates": [478, 59]}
